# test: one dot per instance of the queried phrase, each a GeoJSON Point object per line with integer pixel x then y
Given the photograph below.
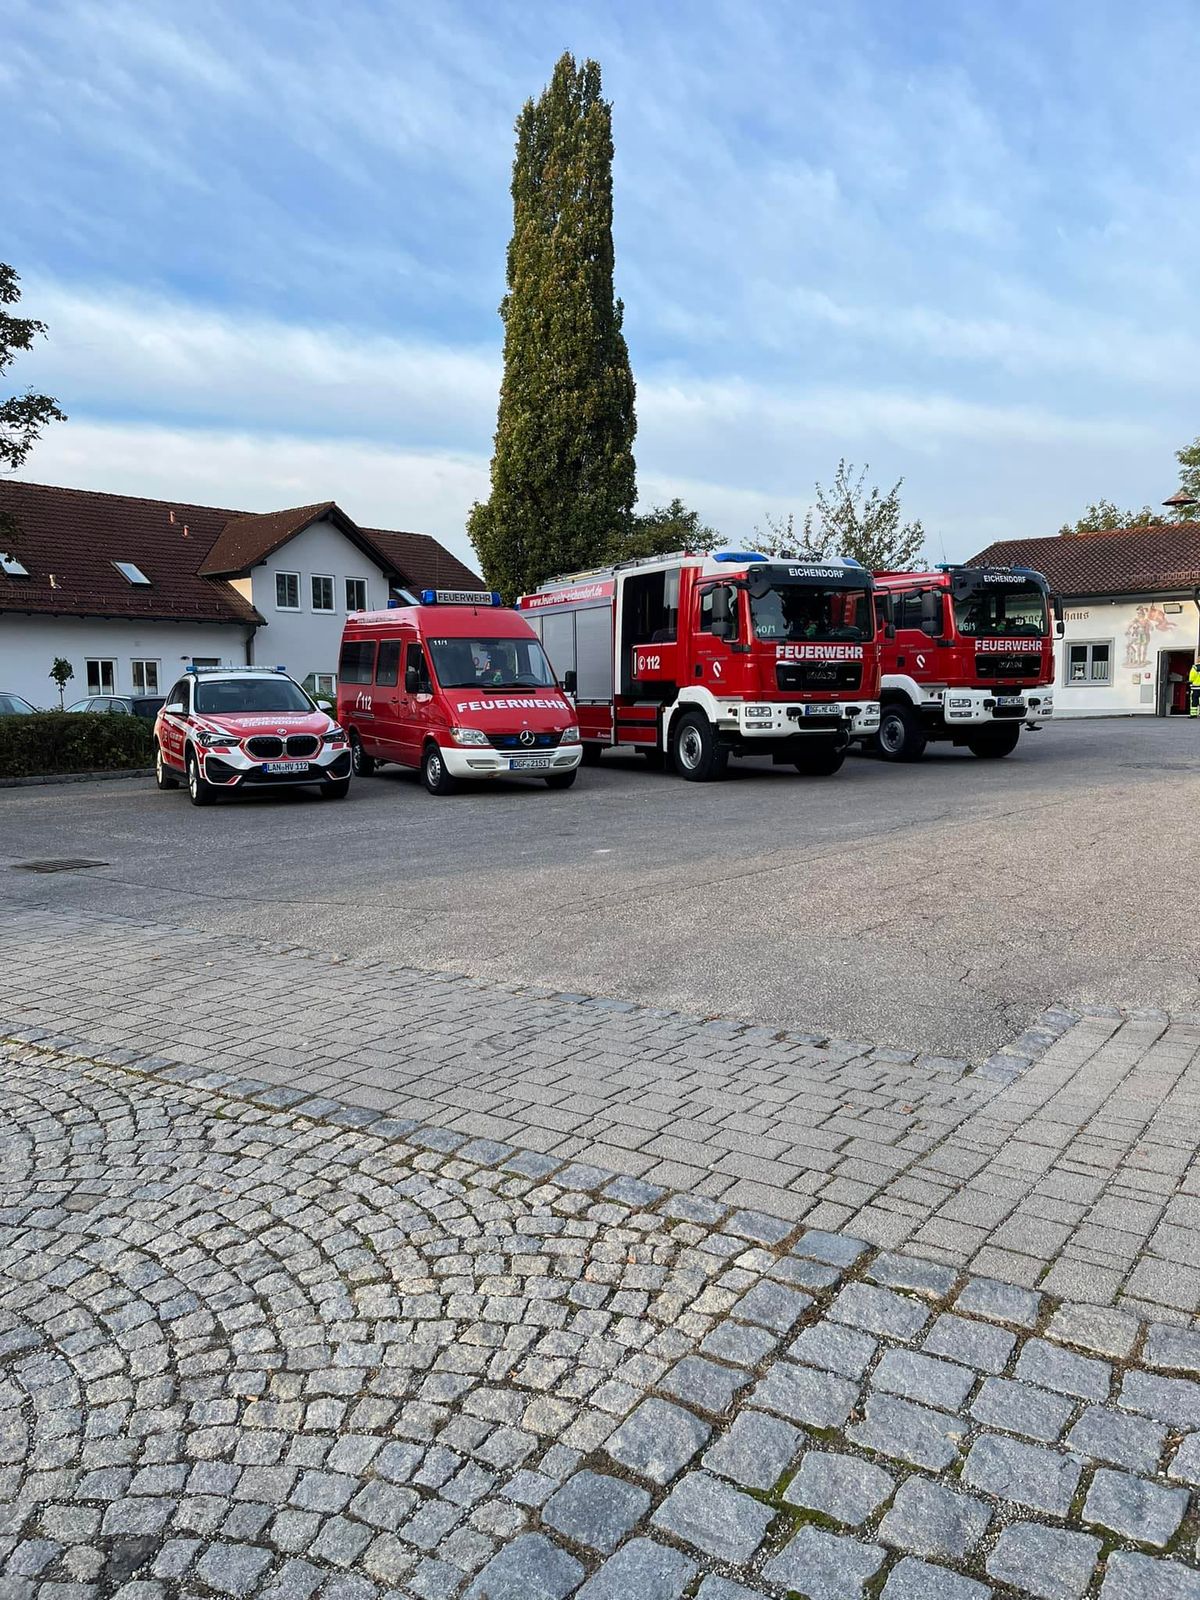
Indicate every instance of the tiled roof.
{"type": "Point", "coordinates": [424, 562]}
{"type": "Point", "coordinates": [69, 538]}
{"type": "Point", "coordinates": [1162, 559]}
{"type": "Point", "coordinates": [73, 537]}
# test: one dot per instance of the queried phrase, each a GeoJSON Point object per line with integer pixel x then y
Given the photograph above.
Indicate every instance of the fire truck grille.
{"type": "Point", "coordinates": [1007, 666]}
{"type": "Point", "coordinates": [513, 741]}
{"type": "Point", "coordinates": [303, 744]}
{"type": "Point", "coordinates": [265, 746]}
{"type": "Point", "coordinates": [840, 675]}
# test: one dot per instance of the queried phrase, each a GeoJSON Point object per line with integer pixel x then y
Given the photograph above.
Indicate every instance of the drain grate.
{"type": "Point", "coordinates": [55, 866]}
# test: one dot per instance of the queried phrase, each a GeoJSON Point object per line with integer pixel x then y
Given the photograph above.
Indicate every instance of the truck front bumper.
{"type": "Point", "coordinates": [774, 719]}
{"type": "Point", "coordinates": [478, 761]}
{"type": "Point", "coordinates": [974, 708]}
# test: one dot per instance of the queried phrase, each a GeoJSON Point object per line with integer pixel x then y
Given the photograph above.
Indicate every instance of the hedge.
{"type": "Point", "coordinates": [74, 741]}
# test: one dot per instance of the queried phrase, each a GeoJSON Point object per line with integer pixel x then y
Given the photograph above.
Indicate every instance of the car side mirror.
{"type": "Point", "coordinates": [175, 709]}
{"type": "Point", "coordinates": [412, 680]}
{"type": "Point", "coordinates": [570, 681]}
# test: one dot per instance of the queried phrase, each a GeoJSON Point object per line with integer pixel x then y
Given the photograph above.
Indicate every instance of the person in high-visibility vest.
{"type": "Point", "coordinates": [1194, 688]}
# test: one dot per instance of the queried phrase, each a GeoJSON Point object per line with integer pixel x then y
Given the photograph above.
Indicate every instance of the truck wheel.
{"type": "Point", "coordinates": [363, 764]}
{"type": "Point", "coordinates": [199, 792]}
{"type": "Point", "coordinates": [164, 778]}
{"type": "Point", "coordinates": [990, 744]}
{"type": "Point", "coordinates": [821, 761]}
{"type": "Point", "coordinates": [433, 772]}
{"type": "Point", "coordinates": [694, 748]}
{"type": "Point", "coordinates": [592, 754]}
{"type": "Point", "coordinates": [562, 780]}
{"type": "Point", "coordinates": [901, 736]}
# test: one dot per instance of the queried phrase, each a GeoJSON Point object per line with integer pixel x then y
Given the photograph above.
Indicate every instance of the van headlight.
{"type": "Point", "coordinates": [570, 735]}
{"type": "Point", "coordinates": [468, 736]}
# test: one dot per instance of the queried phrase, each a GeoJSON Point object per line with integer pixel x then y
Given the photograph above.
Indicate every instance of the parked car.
{"type": "Point", "coordinates": [127, 705]}
{"type": "Point", "coordinates": [14, 705]}
{"type": "Point", "coordinates": [246, 727]}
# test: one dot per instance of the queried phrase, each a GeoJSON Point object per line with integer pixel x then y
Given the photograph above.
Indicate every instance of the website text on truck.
{"type": "Point", "coordinates": [694, 658]}
{"type": "Point", "coordinates": [971, 660]}
{"type": "Point", "coordinates": [457, 687]}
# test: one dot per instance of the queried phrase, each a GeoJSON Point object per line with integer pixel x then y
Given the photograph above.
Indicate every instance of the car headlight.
{"type": "Point", "coordinates": [217, 740]}
{"type": "Point", "coordinates": [570, 735]}
{"type": "Point", "coordinates": [335, 736]}
{"type": "Point", "coordinates": [468, 736]}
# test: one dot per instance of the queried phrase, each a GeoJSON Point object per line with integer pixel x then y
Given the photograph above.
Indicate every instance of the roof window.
{"type": "Point", "coordinates": [11, 567]}
{"type": "Point", "coordinates": [130, 572]}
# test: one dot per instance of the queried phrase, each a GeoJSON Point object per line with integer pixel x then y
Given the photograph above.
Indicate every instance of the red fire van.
{"type": "Point", "coordinates": [459, 687]}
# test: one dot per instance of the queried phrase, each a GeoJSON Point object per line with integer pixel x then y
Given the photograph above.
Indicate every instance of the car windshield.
{"type": "Point", "coordinates": [491, 664]}
{"type": "Point", "coordinates": [11, 705]}
{"type": "Point", "coordinates": [1013, 608]}
{"type": "Point", "coordinates": [234, 696]}
{"type": "Point", "coordinates": [798, 611]}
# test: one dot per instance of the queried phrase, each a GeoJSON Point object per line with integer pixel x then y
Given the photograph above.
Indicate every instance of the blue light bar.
{"type": "Point", "coordinates": [461, 597]}
{"type": "Point", "coordinates": [393, 604]}
{"type": "Point", "coordinates": [739, 555]}
{"type": "Point", "coordinates": [428, 597]}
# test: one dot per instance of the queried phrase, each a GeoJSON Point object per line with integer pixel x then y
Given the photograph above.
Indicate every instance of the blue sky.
{"type": "Point", "coordinates": [958, 242]}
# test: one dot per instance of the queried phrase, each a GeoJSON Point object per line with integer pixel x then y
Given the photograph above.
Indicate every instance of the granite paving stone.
{"type": "Point", "coordinates": [1135, 1508]}
{"type": "Point", "coordinates": [930, 1519]}
{"type": "Point", "coordinates": [658, 1440]}
{"type": "Point", "coordinates": [1120, 1439]}
{"type": "Point", "coordinates": [801, 1394]}
{"type": "Point", "coordinates": [1047, 1563]}
{"type": "Point", "coordinates": [1020, 1408]}
{"type": "Point", "coordinates": [1041, 1362]}
{"type": "Point", "coordinates": [838, 1486]}
{"type": "Point", "coordinates": [644, 1568]}
{"type": "Point", "coordinates": [835, 1348]}
{"type": "Point", "coordinates": [972, 1344]}
{"type": "Point", "coordinates": [1136, 1577]}
{"type": "Point", "coordinates": [530, 1568]}
{"type": "Point", "coordinates": [824, 1566]}
{"type": "Point", "coordinates": [911, 1579]}
{"type": "Point", "coordinates": [713, 1517]}
{"type": "Point", "coordinates": [924, 1378]}
{"type": "Point", "coordinates": [1026, 1474]}
{"type": "Point", "coordinates": [756, 1451]}
{"type": "Point", "coordinates": [906, 1432]}
{"type": "Point", "coordinates": [595, 1510]}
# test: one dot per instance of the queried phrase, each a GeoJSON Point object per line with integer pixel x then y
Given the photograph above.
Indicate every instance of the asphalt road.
{"type": "Point", "coordinates": [936, 906]}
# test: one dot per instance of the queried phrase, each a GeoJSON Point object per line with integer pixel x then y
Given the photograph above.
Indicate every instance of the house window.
{"type": "Point", "coordinates": [322, 593]}
{"type": "Point", "coordinates": [356, 594]}
{"type": "Point", "coordinates": [101, 677]}
{"type": "Point", "coordinates": [287, 591]}
{"type": "Point", "coordinates": [145, 677]}
{"type": "Point", "coordinates": [325, 683]}
{"type": "Point", "coordinates": [1089, 663]}
{"type": "Point", "coordinates": [131, 572]}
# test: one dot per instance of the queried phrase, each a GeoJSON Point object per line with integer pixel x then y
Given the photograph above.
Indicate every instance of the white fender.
{"type": "Point", "coordinates": [909, 687]}
{"type": "Point", "coordinates": [690, 695]}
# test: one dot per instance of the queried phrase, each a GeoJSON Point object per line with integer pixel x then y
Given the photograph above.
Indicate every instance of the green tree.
{"type": "Point", "coordinates": [23, 416]}
{"type": "Point", "coordinates": [1189, 481]}
{"type": "Point", "coordinates": [661, 530]}
{"type": "Point", "coordinates": [562, 476]}
{"type": "Point", "coordinates": [62, 672]}
{"type": "Point", "coordinates": [849, 519]}
{"type": "Point", "coordinates": [1102, 516]}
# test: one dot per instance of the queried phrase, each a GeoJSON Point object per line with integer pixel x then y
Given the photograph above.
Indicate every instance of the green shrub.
{"type": "Point", "coordinates": [74, 741]}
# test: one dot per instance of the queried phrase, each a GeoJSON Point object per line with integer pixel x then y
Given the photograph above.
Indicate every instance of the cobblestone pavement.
{"type": "Point", "coordinates": [250, 1350]}
{"type": "Point", "coordinates": [1068, 1162]}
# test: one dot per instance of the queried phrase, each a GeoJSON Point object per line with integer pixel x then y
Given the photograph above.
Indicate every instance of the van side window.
{"type": "Point", "coordinates": [416, 661]}
{"type": "Point", "coordinates": [387, 669]}
{"type": "Point", "coordinates": [358, 661]}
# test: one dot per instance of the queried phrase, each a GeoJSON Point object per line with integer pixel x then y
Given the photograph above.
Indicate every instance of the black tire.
{"type": "Point", "coordinates": [562, 780]}
{"type": "Point", "coordinates": [164, 778]}
{"type": "Point", "coordinates": [433, 772]}
{"type": "Point", "coordinates": [199, 792]}
{"type": "Point", "coordinates": [361, 764]}
{"type": "Point", "coordinates": [695, 752]}
{"type": "Point", "coordinates": [334, 789]}
{"type": "Point", "coordinates": [992, 744]}
{"type": "Point", "coordinates": [901, 736]}
{"type": "Point", "coordinates": [592, 754]}
{"type": "Point", "coordinates": [821, 762]}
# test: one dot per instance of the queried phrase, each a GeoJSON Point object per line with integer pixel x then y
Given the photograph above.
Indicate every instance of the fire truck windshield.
{"type": "Point", "coordinates": [1013, 607]}
{"type": "Point", "coordinates": [235, 696]}
{"type": "Point", "coordinates": [798, 611]}
{"type": "Point", "coordinates": [491, 664]}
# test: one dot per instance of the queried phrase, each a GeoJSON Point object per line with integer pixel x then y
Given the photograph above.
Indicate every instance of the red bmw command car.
{"type": "Point", "coordinates": [246, 728]}
{"type": "Point", "coordinates": [457, 687]}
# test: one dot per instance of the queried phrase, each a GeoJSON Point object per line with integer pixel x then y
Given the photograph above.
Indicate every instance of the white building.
{"type": "Point", "coordinates": [131, 590]}
{"type": "Point", "coordinates": [1129, 603]}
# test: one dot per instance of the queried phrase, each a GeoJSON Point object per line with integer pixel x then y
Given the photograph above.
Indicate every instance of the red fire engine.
{"type": "Point", "coordinates": [971, 660]}
{"type": "Point", "coordinates": [702, 657]}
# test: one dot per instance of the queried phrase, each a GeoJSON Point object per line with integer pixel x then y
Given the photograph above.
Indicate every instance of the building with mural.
{"type": "Point", "coordinates": [1129, 604]}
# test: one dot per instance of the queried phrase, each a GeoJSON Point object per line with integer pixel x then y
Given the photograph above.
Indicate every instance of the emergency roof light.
{"type": "Point", "coordinates": [461, 597]}
{"type": "Point", "coordinates": [739, 555]}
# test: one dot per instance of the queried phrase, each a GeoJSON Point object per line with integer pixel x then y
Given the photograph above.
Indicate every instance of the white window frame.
{"type": "Point", "coordinates": [1089, 680]}
{"type": "Point", "coordinates": [325, 683]}
{"type": "Point", "coordinates": [365, 594]}
{"type": "Point", "coordinates": [143, 662]}
{"type": "Point", "coordinates": [100, 662]}
{"type": "Point", "coordinates": [294, 575]}
{"type": "Point", "coordinates": [322, 577]}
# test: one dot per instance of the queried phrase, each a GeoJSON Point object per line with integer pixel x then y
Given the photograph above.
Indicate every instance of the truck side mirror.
{"type": "Point", "coordinates": [931, 612]}
{"type": "Point", "coordinates": [412, 680]}
{"type": "Point", "coordinates": [570, 681]}
{"type": "Point", "coordinates": [1060, 626]}
{"type": "Point", "coordinates": [721, 613]}
{"type": "Point", "coordinates": [885, 614]}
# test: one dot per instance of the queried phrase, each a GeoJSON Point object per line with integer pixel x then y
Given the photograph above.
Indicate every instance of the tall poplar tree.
{"type": "Point", "coordinates": [562, 470]}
